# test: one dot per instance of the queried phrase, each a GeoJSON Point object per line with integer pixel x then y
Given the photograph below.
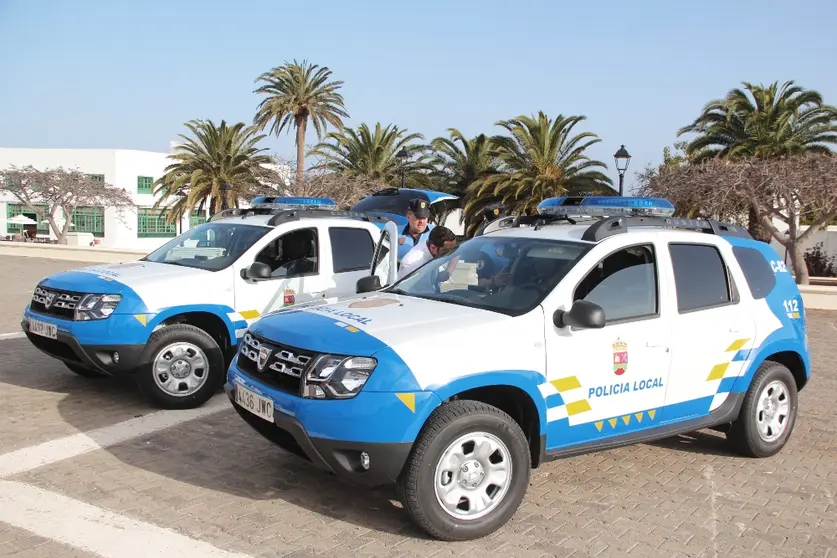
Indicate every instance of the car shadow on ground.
{"type": "Point", "coordinates": [701, 441]}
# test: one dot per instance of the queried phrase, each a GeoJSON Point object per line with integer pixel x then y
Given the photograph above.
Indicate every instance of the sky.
{"type": "Point", "coordinates": [127, 74]}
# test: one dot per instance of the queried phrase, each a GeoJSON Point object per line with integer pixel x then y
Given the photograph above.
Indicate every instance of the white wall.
{"type": "Point", "coordinates": [120, 168]}
{"type": "Point", "coordinates": [828, 236]}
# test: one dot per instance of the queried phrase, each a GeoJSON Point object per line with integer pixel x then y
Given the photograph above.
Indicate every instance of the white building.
{"type": "Point", "coordinates": [135, 171]}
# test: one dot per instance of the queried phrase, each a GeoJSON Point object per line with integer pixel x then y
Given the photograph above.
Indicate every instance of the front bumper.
{"type": "Point", "coordinates": [111, 360]}
{"type": "Point", "coordinates": [332, 435]}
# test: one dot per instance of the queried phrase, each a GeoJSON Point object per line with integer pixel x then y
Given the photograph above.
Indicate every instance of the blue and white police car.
{"type": "Point", "coordinates": [173, 319]}
{"type": "Point", "coordinates": [606, 322]}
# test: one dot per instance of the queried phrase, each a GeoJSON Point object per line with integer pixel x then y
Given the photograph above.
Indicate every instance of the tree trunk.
{"type": "Point", "coordinates": [755, 228]}
{"type": "Point", "coordinates": [301, 123]}
{"type": "Point", "coordinates": [800, 268]}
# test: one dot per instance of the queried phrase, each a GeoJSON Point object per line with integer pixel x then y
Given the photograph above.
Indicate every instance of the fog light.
{"type": "Point", "coordinates": [115, 356]}
{"type": "Point", "coordinates": [364, 460]}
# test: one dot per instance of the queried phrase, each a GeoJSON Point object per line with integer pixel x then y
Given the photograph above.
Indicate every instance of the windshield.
{"type": "Point", "coordinates": [510, 275]}
{"type": "Point", "coordinates": [211, 246]}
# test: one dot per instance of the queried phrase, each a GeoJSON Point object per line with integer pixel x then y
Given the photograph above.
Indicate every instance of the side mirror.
{"type": "Point", "coordinates": [583, 315]}
{"type": "Point", "coordinates": [257, 272]}
{"type": "Point", "coordinates": [368, 284]}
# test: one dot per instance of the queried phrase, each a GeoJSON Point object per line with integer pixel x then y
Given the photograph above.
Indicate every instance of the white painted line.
{"type": "Point", "coordinates": [62, 519]}
{"type": "Point", "coordinates": [15, 335]}
{"type": "Point", "coordinates": [26, 459]}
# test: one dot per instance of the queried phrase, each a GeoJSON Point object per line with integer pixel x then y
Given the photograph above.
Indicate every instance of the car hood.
{"type": "Point", "coordinates": [117, 278]}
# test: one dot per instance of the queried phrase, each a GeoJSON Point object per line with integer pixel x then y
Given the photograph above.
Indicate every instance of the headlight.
{"type": "Point", "coordinates": [96, 307]}
{"type": "Point", "coordinates": [337, 377]}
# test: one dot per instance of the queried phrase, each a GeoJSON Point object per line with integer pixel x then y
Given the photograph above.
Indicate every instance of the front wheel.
{"type": "Point", "coordinates": [768, 414]}
{"type": "Point", "coordinates": [467, 473]}
{"type": "Point", "coordinates": [183, 367]}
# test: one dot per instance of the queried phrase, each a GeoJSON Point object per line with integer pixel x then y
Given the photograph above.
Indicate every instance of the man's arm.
{"type": "Point", "coordinates": [411, 261]}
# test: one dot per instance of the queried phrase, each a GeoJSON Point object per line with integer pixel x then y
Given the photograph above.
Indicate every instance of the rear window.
{"type": "Point", "coordinates": [757, 271]}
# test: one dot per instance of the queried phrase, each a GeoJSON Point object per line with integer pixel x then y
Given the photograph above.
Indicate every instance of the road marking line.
{"type": "Point", "coordinates": [62, 519]}
{"type": "Point", "coordinates": [15, 335]}
{"type": "Point", "coordinates": [26, 459]}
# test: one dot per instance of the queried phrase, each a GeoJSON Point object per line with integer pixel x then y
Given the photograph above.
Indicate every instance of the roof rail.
{"type": "Point", "coordinates": [286, 216]}
{"type": "Point", "coordinates": [610, 226]}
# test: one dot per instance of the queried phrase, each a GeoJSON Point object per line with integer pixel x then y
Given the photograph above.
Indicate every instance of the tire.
{"type": "Point", "coordinates": [181, 349]}
{"type": "Point", "coordinates": [453, 424]}
{"type": "Point", "coordinates": [747, 435]}
{"type": "Point", "coordinates": [82, 371]}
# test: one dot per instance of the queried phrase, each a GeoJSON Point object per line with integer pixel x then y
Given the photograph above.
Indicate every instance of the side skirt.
{"type": "Point", "coordinates": [726, 413]}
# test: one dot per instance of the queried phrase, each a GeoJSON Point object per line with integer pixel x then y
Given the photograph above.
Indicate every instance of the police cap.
{"type": "Point", "coordinates": [419, 207]}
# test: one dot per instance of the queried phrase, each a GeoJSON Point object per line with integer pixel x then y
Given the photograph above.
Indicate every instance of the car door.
{"type": "Point", "coordinates": [609, 382]}
{"type": "Point", "coordinates": [352, 249]}
{"type": "Point", "coordinates": [713, 328]}
{"type": "Point", "coordinates": [298, 273]}
{"type": "Point", "coordinates": [385, 260]}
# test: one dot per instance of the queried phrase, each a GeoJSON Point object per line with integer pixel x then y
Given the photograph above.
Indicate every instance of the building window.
{"type": "Point", "coordinates": [197, 218]}
{"type": "Point", "coordinates": [96, 177]}
{"type": "Point", "coordinates": [15, 209]}
{"type": "Point", "coordinates": [145, 185]}
{"type": "Point", "coordinates": [151, 223]}
{"type": "Point", "coordinates": [89, 219]}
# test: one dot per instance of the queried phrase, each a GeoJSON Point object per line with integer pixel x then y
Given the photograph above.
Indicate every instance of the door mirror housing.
{"type": "Point", "coordinates": [368, 284]}
{"type": "Point", "coordinates": [258, 271]}
{"type": "Point", "coordinates": [582, 315]}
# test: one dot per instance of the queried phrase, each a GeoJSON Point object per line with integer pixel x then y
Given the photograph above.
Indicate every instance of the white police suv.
{"type": "Point", "coordinates": [174, 318]}
{"type": "Point", "coordinates": [599, 322]}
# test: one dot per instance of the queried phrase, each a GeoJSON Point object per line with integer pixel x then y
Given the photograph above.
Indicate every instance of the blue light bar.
{"type": "Point", "coordinates": [288, 202]}
{"type": "Point", "coordinates": [606, 206]}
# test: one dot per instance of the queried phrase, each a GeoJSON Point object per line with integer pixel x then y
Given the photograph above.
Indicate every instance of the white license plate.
{"type": "Point", "coordinates": [256, 404]}
{"type": "Point", "coordinates": [43, 329]}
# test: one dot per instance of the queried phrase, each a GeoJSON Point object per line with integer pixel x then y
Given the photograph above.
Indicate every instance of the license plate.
{"type": "Point", "coordinates": [43, 329]}
{"type": "Point", "coordinates": [256, 404]}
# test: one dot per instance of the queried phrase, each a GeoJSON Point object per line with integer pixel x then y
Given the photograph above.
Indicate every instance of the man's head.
{"type": "Point", "coordinates": [440, 241]}
{"type": "Point", "coordinates": [418, 212]}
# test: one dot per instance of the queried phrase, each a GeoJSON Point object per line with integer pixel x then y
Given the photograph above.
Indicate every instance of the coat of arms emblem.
{"type": "Point", "coordinates": [620, 357]}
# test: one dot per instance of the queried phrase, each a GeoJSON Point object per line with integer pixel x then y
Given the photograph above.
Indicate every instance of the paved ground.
{"type": "Point", "coordinates": [140, 482]}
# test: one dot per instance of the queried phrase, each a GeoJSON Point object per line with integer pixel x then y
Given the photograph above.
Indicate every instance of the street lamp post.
{"type": "Point", "coordinates": [402, 156]}
{"type": "Point", "coordinates": [622, 158]}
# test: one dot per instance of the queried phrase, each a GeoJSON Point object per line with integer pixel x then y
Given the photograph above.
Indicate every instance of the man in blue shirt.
{"type": "Point", "coordinates": [418, 228]}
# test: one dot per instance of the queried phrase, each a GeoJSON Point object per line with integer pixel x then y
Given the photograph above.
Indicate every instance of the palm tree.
{"type": "Point", "coordinates": [203, 164]}
{"type": "Point", "coordinates": [297, 92]}
{"type": "Point", "coordinates": [372, 154]}
{"type": "Point", "coordinates": [541, 159]}
{"type": "Point", "coordinates": [762, 121]}
{"type": "Point", "coordinates": [460, 162]}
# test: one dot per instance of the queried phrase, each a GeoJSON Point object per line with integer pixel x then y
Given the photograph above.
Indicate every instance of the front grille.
{"type": "Point", "coordinates": [53, 302]}
{"type": "Point", "coordinates": [279, 366]}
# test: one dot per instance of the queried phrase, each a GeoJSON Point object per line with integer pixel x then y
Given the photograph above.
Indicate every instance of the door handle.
{"type": "Point", "coordinates": [653, 345]}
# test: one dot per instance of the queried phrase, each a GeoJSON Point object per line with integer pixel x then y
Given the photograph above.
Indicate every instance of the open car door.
{"type": "Point", "coordinates": [385, 259]}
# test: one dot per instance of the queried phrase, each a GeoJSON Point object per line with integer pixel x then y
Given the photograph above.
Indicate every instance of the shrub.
{"type": "Point", "coordinates": [818, 262]}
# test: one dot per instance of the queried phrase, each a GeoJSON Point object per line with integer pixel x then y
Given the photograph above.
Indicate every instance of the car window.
{"type": "Point", "coordinates": [510, 275]}
{"type": "Point", "coordinates": [624, 284]}
{"type": "Point", "coordinates": [210, 246]}
{"type": "Point", "coordinates": [352, 249]}
{"type": "Point", "coordinates": [700, 277]}
{"type": "Point", "coordinates": [293, 254]}
{"type": "Point", "coordinates": [757, 271]}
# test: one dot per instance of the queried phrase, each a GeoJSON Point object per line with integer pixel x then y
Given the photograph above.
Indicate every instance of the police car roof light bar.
{"type": "Point", "coordinates": [606, 206]}
{"type": "Point", "coordinates": [621, 224]}
{"type": "Point", "coordinates": [289, 203]}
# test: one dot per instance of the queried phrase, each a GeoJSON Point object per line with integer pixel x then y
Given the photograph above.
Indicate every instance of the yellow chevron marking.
{"type": "Point", "coordinates": [249, 314]}
{"type": "Point", "coordinates": [577, 407]}
{"type": "Point", "coordinates": [717, 372]}
{"type": "Point", "coordinates": [612, 422]}
{"type": "Point", "coordinates": [409, 400]}
{"type": "Point", "coordinates": [737, 344]}
{"type": "Point", "coordinates": [141, 319]}
{"type": "Point", "coordinates": [626, 419]}
{"type": "Point", "coordinates": [599, 425]}
{"type": "Point", "coordinates": [353, 329]}
{"type": "Point", "coordinates": [638, 417]}
{"type": "Point", "coordinates": [651, 414]}
{"type": "Point", "coordinates": [565, 384]}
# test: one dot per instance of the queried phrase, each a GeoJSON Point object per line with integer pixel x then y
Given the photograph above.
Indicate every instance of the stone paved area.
{"type": "Point", "coordinates": [216, 481]}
